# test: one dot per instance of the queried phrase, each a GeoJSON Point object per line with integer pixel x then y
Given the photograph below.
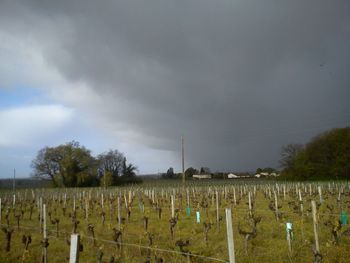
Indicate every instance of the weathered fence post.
{"type": "Point", "coordinates": [250, 204]}
{"type": "Point", "coordinates": [86, 208]}
{"type": "Point", "coordinates": [44, 223]}
{"type": "Point", "coordinates": [314, 218]}
{"type": "Point", "coordinates": [44, 235]}
{"type": "Point", "coordinates": [230, 243]}
{"type": "Point", "coordinates": [217, 209]}
{"type": "Point", "coordinates": [302, 215]}
{"type": "Point", "coordinates": [172, 207]}
{"type": "Point", "coordinates": [301, 203]}
{"type": "Point", "coordinates": [74, 248]}
{"type": "Point", "coordinates": [276, 205]}
{"type": "Point", "coordinates": [289, 236]}
{"type": "Point", "coordinates": [40, 213]}
{"type": "Point", "coordinates": [234, 196]}
{"type": "Point", "coordinates": [119, 213]}
{"type": "Point", "coordinates": [320, 194]}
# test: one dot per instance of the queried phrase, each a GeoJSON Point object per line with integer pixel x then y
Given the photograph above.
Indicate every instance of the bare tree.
{"type": "Point", "coordinates": [289, 152]}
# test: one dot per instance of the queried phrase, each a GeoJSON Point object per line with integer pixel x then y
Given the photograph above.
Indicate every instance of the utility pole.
{"type": "Point", "coordinates": [14, 181]}
{"type": "Point", "coordinates": [183, 160]}
{"type": "Point", "coordinates": [104, 179]}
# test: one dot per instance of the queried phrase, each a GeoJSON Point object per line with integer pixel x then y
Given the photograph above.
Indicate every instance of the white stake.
{"type": "Point", "coordinates": [249, 203]}
{"type": "Point", "coordinates": [40, 213]}
{"type": "Point", "coordinates": [314, 218]}
{"type": "Point", "coordinates": [119, 214]}
{"type": "Point", "coordinates": [276, 204]}
{"type": "Point", "coordinates": [172, 207]}
{"type": "Point", "coordinates": [230, 243]}
{"type": "Point", "coordinates": [44, 233]}
{"type": "Point", "coordinates": [44, 225]}
{"type": "Point", "coordinates": [74, 248]}
{"type": "Point", "coordinates": [217, 208]}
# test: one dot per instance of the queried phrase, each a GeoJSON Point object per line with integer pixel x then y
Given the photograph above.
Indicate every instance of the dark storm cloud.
{"type": "Point", "coordinates": [238, 78]}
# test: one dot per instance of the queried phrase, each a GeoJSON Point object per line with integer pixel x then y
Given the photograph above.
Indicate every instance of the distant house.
{"type": "Point", "coordinates": [202, 176]}
{"type": "Point", "coordinates": [265, 174]}
{"type": "Point", "coordinates": [232, 176]}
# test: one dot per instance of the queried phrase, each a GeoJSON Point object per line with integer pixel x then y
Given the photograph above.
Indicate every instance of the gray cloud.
{"type": "Point", "coordinates": [238, 78]}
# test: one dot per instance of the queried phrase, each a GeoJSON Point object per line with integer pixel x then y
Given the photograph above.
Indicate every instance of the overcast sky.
{"type": "Point", "coordinates": [238, 78]}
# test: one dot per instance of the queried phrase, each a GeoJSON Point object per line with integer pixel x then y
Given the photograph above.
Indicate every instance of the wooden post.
{"type": "Point", "coordinates": [250, 204]}
{"type": "Point", "coordinates": [230, 243]}
{"type": "Point", "coordinates": [86, 208]}
{"type": "Point", "coordinates": [40, 213]}
{"type": "Point", "coordinates": [44, 234]}
{"type": "Point", "coordinates": [301, 203]}
{"type": "Point", "coordinates": [119, 213]}
{"type": "Point", "coordinates": [44, 223]}
{"type": "Point", "coordinates": [0, 210]}
{"type": "Point", "coordinates": [217, 208]}
{"type": "Point", "coordinates": [302, 215]}
{"type": "Point", "coordinates": [276, 205]}
{"type": "Point", "coordinates": [14, 181]}
{"type": "Point", "coordinates": [74, 248]}
{"type": "Point", "coordinates": [310, 190]}
{"type": "Point", "coordinates": [234, 196]}
{"type": "Point", "coordinates": [314, 218]}
{"type": "Point", "coordinates": [320, 194]}
{"type": "Point", "coordinates": [188, 198]}
{"type": "Point", "coordinates": [172, 207]}
{"type": "Point", "coordinates": [183, 160]}
{"type": "Point", "coordinates": [289, 238]}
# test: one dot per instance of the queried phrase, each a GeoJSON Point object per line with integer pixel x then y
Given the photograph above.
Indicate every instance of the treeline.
{"type": "Point", "coordinates": [72, 165]}
{"type": "Point", "coordinates": [327, 156]}
{"type": "Point", "coordinates": [23, 183]}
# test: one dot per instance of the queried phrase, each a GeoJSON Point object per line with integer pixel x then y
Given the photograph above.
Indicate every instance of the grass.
{"type": "Point", "coordinates": [269, 245]}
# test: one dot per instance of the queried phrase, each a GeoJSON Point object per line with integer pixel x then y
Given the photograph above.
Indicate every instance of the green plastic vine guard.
{"type": "Point", "coordinates": [344, 218]}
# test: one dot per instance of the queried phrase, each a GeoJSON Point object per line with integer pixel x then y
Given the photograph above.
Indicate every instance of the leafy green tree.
{"type": "Point", "coordinates": [169, 174]}
{"type": "Point", "coordinates": [325, 156]}
{"type": "Point", "coordinates": [73, 165]}
{"type": "Point", "coordinates": [190, 172]}
{"type": "Point", "coordinates": [66, 165]}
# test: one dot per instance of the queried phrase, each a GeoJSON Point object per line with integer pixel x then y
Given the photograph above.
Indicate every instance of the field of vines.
{"type": "Point", "coordinates": [163, 222]}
